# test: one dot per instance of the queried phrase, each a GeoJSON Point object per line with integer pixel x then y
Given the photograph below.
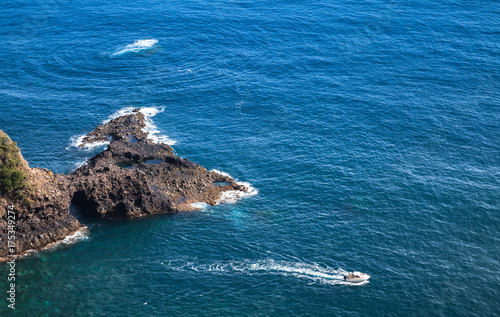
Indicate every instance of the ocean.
{"type": "Point", "coordinates": [370, 131]}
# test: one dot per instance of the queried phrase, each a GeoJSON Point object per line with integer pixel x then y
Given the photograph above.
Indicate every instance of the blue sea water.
{"type": "Point", "coordinates": [371, 130]}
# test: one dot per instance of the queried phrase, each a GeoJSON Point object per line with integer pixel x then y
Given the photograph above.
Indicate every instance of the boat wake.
{"type": "Point", "coordinates": [151, 129]}
{"type": "Point", "coordinates": [312, 272]}
{"type": "Point", "coordinates": [137, 46]}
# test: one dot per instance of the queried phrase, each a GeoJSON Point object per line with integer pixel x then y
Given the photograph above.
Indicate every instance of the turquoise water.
{"type": "Point", "coordinates": [369, 128]}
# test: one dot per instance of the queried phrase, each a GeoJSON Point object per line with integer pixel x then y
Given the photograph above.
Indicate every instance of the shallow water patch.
{"type": "Point", "coordinates": [221, 183]}
{"type": "Point", "coordinates": [127, 164]}
{"type": "Point", "coordinates": [154, 161]}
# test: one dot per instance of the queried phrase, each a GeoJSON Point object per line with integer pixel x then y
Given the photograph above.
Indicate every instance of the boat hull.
{"type": "Point", "coordinates": [358, 278]}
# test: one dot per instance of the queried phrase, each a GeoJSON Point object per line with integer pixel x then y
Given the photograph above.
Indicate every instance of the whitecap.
{"type": "Point", "coordinates": [137, 46]}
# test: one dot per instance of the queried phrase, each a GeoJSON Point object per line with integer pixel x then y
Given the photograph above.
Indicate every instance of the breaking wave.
{"type": "Point", "coordinates": [313, 272]}
{"type": "Point", "coordinates": [137, 46]}
{"type": "Point", "coordinates": [76, 141]}
{"type": "Point", "coordinates": [199, 205]}
{"type": "Point", "coordinates": [232, 196]}
{"type": "Point", "coordinates": [82, 234]}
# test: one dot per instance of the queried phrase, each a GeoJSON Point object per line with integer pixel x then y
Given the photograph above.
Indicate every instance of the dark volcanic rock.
{"type": "Point", "coordinates": [133, 177]}
{"type": "Point", "coordinates": [121, 128]}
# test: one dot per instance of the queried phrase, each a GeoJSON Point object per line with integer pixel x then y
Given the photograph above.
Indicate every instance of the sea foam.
{"type": "Point", "coordinates": [79, 235]}
{"type": "Point", "coordinates": [137, 46]}
{"type": "Point", "coordinates": [232, 196]}
{"type": "Point", "coordinates": [82, 234]}
{"type": "Point", "coordinates": [76, 141]}
{"type": "Point", "coordinates": [199, 205]}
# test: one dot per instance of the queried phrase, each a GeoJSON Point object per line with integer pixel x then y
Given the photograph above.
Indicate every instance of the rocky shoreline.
{"type": "Point", "coordinates": [133, 177]}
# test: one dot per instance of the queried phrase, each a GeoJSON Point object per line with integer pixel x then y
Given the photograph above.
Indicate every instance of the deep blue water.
{"type": "Point", "coordinates": [371, 130]}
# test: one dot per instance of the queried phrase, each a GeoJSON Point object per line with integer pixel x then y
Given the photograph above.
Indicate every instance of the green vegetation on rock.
{"type": "Point", "coordinates": [11, 176]}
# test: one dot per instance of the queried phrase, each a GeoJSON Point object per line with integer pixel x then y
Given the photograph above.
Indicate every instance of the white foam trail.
{"type": "Point", "coordinates": [232, 196]}
{"type": "Point", "coordinates": [314, 272]}
{"type": "Point", "coordinates": [137, 46]}
{"type": "Point", "coordinates": [151, 129]}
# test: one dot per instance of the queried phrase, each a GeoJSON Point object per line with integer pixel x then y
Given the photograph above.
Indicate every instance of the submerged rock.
{"type": "Point", "coordinates": [133, 177]}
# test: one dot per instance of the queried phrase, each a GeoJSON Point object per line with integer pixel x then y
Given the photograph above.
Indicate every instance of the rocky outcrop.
{"type": "Point", "coordinates": [39, 212]}
{"type": "Point", "coordinates": [133, 177]}
{"type": "Point", "coordinates": [125, 128]}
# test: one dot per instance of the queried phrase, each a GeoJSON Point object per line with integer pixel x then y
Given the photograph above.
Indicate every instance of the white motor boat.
{"type": "Point", "coordinates": [356, 277]}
